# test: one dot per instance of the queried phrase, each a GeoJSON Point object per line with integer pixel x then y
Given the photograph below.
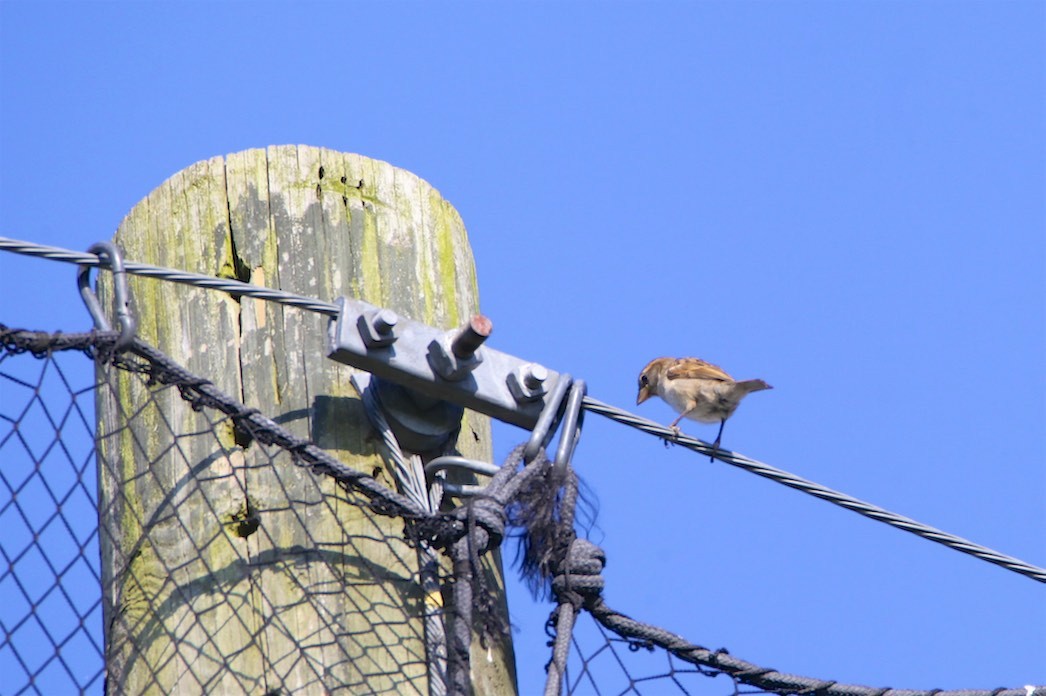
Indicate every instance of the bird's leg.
{"type": "Point", "coordinates": [715, 445]}
{"type": "Point", "coordinates": [675, 425]}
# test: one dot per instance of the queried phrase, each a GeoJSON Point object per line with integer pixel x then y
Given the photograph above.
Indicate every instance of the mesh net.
{"type": "Point", "coordinates": [189, 611]}
{"type": "Point", "coordinates": [51, 613]}
{"type": "Point", "coordinates": [602, 662]}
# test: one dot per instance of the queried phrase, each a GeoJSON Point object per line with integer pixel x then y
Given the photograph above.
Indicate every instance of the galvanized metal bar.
{"type": "Point", "coordinates": [453, 366]}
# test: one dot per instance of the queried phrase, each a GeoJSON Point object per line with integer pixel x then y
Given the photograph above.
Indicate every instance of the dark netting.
{"type": "Point", "coordinates": [106, 572]}
{"type": "Point", "coordinates": [196, 610]}
{"type": "Point", "coordinates": [284, 606]}
{"type": "Point", "coordinates": [50, 582]}
{"type": "Point", "coordinates": [289, 599]}
{"type": "Point", "coordinates": [601, 662]}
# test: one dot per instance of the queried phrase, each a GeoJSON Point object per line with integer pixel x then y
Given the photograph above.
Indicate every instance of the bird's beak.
{"type": "Point", "coordinates": [644, 394]}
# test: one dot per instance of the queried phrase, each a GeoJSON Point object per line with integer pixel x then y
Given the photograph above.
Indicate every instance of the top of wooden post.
{"type": "Point", "coordinates": [313, 222]}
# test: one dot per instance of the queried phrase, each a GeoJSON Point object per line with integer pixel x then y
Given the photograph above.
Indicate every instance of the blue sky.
{"type": "Point", "coordinates": [845, 199]}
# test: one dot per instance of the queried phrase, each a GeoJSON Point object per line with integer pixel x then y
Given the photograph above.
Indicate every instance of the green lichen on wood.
{"type": "Point", "coordinates": [370, 260]}
{"type": "Point", "coordinates": [448, 257]}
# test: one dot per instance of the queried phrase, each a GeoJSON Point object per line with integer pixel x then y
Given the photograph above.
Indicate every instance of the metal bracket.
{"type": "Point", "coordinates": [451, 366]}
{"type": "Point", "coordinates": [109, 254]}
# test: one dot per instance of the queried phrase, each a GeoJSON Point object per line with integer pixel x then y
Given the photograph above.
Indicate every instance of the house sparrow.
{"type": "Point", "coordinates": [696, 389]}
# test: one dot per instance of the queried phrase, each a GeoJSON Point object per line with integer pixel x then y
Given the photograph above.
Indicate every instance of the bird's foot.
{"type": "Point", "coordinates": [676, 432]}
{"type": "Point", "coordinates": [715, 450]}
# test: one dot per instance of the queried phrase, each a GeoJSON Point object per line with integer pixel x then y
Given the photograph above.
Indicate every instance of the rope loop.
{"type": "Point", "coordinates": [580, 577]}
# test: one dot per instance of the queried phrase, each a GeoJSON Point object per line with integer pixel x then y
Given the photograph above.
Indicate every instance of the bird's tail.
{"type": "Point", "coordinates": [753, 385]}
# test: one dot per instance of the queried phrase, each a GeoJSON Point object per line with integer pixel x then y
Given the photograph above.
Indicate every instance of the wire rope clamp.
{"type": "Point", "coordinates": [457, 353]}
{"type": "Point", "coordinates": [437, 364]}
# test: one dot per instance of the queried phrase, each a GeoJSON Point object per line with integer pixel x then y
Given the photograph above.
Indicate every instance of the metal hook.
{"type": "Point", "coordinates": [109, 254]}
{"type": "Point", "coordinates": [454, 462]}
{"type": "Point", "coordinates": [572, 420]}
{"type": "Point", "coordinates": [548, 420]}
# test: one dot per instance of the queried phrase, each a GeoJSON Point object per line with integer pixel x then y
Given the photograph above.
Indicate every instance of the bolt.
{"type": "Point", "coordinates": [377, 327]}
{"type": "Point", "coordinates": [534, 375]}
{"type": "Point", "coordinates": [527, 382]}
{"type": "Point", "coordinates": [471, 336]}
{"type": "Point", "coordinates": [384, 321]}
{"type": "Point", "coordinates": [456, 353]}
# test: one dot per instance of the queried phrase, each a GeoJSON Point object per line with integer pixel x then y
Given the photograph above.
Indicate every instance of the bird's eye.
{"type": "Point", "coordinates": [644, 380]}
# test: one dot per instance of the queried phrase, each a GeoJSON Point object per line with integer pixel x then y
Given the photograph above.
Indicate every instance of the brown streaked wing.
{"type": "Point", "coordinates": [694, 368]}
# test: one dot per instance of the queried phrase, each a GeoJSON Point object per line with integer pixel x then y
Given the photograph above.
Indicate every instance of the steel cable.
{"type": "Point", "coordinates": [818, 491]}
{"type": "Point", "coordinates": [233, 287]}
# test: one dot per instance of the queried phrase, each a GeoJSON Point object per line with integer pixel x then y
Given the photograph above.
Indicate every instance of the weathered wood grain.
{"type": "Point", "coordinates": [322, 596]}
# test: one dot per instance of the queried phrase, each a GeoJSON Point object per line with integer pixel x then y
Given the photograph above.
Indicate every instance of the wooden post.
{"type": "Point", "coordinates": [322, 595]}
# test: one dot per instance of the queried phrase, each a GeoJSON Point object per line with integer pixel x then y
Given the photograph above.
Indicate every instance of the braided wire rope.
{"type": "Point", "coordinates": [202, 393]}
{"type": "Point", "coordinates": [485, 516]}
{"type": "Point", "coordinates": [233, 287]}
{"type": "Point", "coordinates": [763, 678]}
{"type": "Point", "coordinates": [410, 475]}
{"type": "Point", "coordinates": [818, 491]}
{"type": "Point", "coordinates": [564, 615]}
